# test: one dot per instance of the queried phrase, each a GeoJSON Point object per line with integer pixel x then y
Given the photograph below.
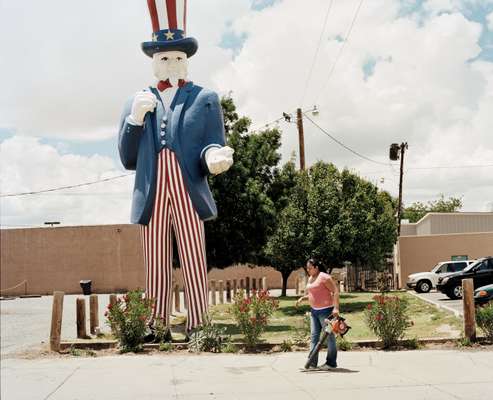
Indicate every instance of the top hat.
{"type": "Point", "coordinates": [169, 18]}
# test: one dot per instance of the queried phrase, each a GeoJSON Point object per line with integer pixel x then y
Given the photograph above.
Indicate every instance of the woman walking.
{"type": "Point", "coordinates": [323, 296]}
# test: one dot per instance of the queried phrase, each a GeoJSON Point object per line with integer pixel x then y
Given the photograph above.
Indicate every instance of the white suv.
{"type": "Point", "coordinates": [423, 282]}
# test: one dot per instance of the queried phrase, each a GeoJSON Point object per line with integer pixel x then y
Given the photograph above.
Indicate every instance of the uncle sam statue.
{"type": "Point", "coordinates": [172, 134]}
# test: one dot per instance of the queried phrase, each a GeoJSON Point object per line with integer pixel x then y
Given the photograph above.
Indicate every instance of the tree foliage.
{"type": "Point", "coordinates": [245, 195]}
{"type": "Point", "coordinates": [281, 216]}
{"type": "Point", "coordinates": [334, 216]}
{"type": "Point", "coordinates": [418, 210]}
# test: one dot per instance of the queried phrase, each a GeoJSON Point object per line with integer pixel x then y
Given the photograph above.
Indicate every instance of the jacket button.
{"type": "Point", "coordinates": [163, 125]}
{"type": "Point", "coordinates": [163, 142]}
{"type": "Point", "coordinates": [163, 133]}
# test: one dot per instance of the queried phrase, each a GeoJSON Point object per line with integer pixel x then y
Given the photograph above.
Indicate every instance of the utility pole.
{"type": "Point", "coordinates": [299, 121]}
{"type": "Point", "coordinates": [394, 156]}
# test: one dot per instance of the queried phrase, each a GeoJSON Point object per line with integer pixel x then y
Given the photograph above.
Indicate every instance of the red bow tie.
{"type": "Point", "coordinates": [163, 85]}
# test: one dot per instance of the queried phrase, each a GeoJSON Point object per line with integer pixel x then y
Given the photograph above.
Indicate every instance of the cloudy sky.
{"type": "Point", "coordinates": [379, 71]}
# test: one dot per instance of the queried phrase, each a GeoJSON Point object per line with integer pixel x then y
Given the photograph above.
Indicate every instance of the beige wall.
{"type": "Point", "coordinates": [421, 253]}
{"type": "Point", "coordinates": [111, 256]}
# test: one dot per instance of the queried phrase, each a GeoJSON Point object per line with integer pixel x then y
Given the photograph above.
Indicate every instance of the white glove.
{"type": "Point", "coordinates": [143, 103]}
{"type": "Point", "coordinates": [218, 159]}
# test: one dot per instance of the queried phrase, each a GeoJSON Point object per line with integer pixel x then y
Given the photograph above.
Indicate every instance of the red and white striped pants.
{"type": "Point", "coordinates": [173, 212]}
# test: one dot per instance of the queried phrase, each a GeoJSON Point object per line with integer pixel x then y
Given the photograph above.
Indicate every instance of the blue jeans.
{"type": "Point", "coordinates": [317, 324]}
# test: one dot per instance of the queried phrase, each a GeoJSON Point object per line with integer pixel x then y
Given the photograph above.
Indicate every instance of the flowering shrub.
{"type": "Point", "coordinates": [252, 314]}
{"type": "Point", "coordinates": [128, 319]}
{"type": "Point", "coordinates": [484, 318]}
{"type": "Point", "coordinates": [388, 318]}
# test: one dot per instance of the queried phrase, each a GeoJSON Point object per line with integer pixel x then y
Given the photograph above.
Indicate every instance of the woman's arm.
{"type": "Point", "coordinates": [332, 286]}
{"type": "Point", "coordinates": [300, 300]}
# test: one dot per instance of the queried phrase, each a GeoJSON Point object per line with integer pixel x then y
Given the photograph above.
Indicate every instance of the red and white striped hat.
{"type": "Point", "coordinates": [169, 21]}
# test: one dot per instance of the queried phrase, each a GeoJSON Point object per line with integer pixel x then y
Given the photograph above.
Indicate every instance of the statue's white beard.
{"type": "Point", "coordinates": [173, 76]}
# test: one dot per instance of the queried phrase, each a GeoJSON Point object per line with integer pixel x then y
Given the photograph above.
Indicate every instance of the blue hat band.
{"type": "Point", "coordinates": [168, 35]}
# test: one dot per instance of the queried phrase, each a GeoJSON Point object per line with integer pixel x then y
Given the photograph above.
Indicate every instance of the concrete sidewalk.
{"type": "Point", "coordinates": [403, 375]}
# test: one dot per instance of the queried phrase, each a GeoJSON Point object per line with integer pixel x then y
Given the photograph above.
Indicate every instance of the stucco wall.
{"type": "Point", "coordinates": [111, 256]}
{"type": "Point", "coordinates": [421, 253]}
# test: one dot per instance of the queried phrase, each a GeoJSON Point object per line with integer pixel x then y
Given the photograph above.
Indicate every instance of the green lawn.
{"type": "Point", "coordinates": [287, 320]}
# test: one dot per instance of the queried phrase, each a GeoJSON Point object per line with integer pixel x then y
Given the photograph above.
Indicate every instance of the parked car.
{"type": "Point", "coordinates": [481, 272]}
{"type": "Point", "coordinates": [483, 295]}
{"type": "Point", "coordinates": [423, 282]}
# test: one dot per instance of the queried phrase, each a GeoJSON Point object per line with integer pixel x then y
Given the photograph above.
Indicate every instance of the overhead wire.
{"type": "Point", "coordinates": [341, 49]}
{"type": "Point", "coordinates": [344, 145]}
{"type": "Point", "coordinates": [66, 187]}
{"type": "Point", "coordinates": [316, 52]}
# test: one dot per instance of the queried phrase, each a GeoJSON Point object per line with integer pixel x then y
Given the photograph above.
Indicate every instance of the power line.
{"type": "Point", "coordinates": [65, 187]}
{"type": "Point", "coordinates": [343, 145]}
{"type": "Point", "coordinates": [316, 52]}
{"type": "Point", "coordinates": [341, 49]}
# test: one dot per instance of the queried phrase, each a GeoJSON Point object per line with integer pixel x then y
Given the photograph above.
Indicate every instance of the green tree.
{"type": "Point", "coordinates": [418, 210]}
{"type": "Point", "coordinates": [247, 213]}
{"type": "Point", "coordinates": [288, 247]}
{"type": "Point", "coordinates": [333, 216]}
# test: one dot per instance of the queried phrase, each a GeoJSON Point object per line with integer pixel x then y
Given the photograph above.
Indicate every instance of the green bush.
{"type": "Point", "coordinates": [413, 344]}
{"type": "Point", "coordinates": [343, 344]}
{"type": "Point", "coordinates": [286, 345]}
{"type": "Point", "coordinates": [252, 314]}
{"type": "Point", "coordinates": [229, 347]}
{"type": "Point", "coordinates": [165, 347]}
{"type": "Point", "coordinates": [207, 337]}
{"type": "Point", "coordinates": [388, 318]}
{"type": "Point", "coordinates": [484, 319]}
{"type": "Point", "coordinates": [128, 319]}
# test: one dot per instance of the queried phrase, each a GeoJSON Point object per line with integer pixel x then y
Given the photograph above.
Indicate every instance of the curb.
{"type": "Point", "coordinates": [437, 305]}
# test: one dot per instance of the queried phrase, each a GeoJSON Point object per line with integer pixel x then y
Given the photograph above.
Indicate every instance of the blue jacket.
{"type": "Point", "coordinates": [192, 125]}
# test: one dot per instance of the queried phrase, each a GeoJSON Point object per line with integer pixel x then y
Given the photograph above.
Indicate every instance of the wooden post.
{"type": "Point", "coordinates": [94, 313]}
{"type": "Point", "coordinates": [228, 291]}
{"type": "Point", "coordinates": [235, 287]}
{"type": "Point", "coordinates": [247, 281]}
{"type": "Point", "coordinates": [213, 293]}
{"type": "Point", "coordinates": [362, 280]}
{"type": "Point", "coordinates": [177, 298]}
{"type": "Point", "coordinates": [221, 292]}
{"type": "Point", "coordinates": [56, 321]}
{"type": "Point", "coordinates": [469, 311]}
{"type": "Point", "coordinates": [297, 286]}
{"type": "Point", "coordinates": [264, 283]}
{"type": "Point", "coordinates": [81, 318]}
{"type": "Point", "coordinates": [113, 299]}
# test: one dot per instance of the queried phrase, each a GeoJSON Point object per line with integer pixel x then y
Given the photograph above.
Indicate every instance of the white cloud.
{"type": "Point", "coordinates": [423, 90]}
{"type": "Point", "coordinates": [68, 77]}
{"type": "Point", "coordinates": [67, 71]}
{"type": "Point", "coordinates": [489, 18]}
{"type": "Point", "coordinates": [43, 167]}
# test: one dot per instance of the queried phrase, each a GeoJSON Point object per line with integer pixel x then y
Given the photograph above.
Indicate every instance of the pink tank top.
{"type": "Point", "coordinates": [318, 294]}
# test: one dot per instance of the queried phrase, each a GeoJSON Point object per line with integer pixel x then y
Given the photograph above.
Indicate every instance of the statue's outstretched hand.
{"type": "Point", "coordinates": [143, 103]}
{"type": "Point", "coordinates": [219, 159]}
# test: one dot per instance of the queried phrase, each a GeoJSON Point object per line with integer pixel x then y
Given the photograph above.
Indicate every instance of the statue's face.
{"type": "Point", "coordinates": [172, 65]}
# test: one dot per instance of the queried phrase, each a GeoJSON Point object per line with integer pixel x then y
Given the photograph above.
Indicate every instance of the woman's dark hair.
{"type": "Point", "coordinates": [318, 264]}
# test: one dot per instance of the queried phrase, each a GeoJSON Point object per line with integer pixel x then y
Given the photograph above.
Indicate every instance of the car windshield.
{"type": "Point", "coordinates": [435, 268]}
{"type": "Point", "coordinates": [470, 267]}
